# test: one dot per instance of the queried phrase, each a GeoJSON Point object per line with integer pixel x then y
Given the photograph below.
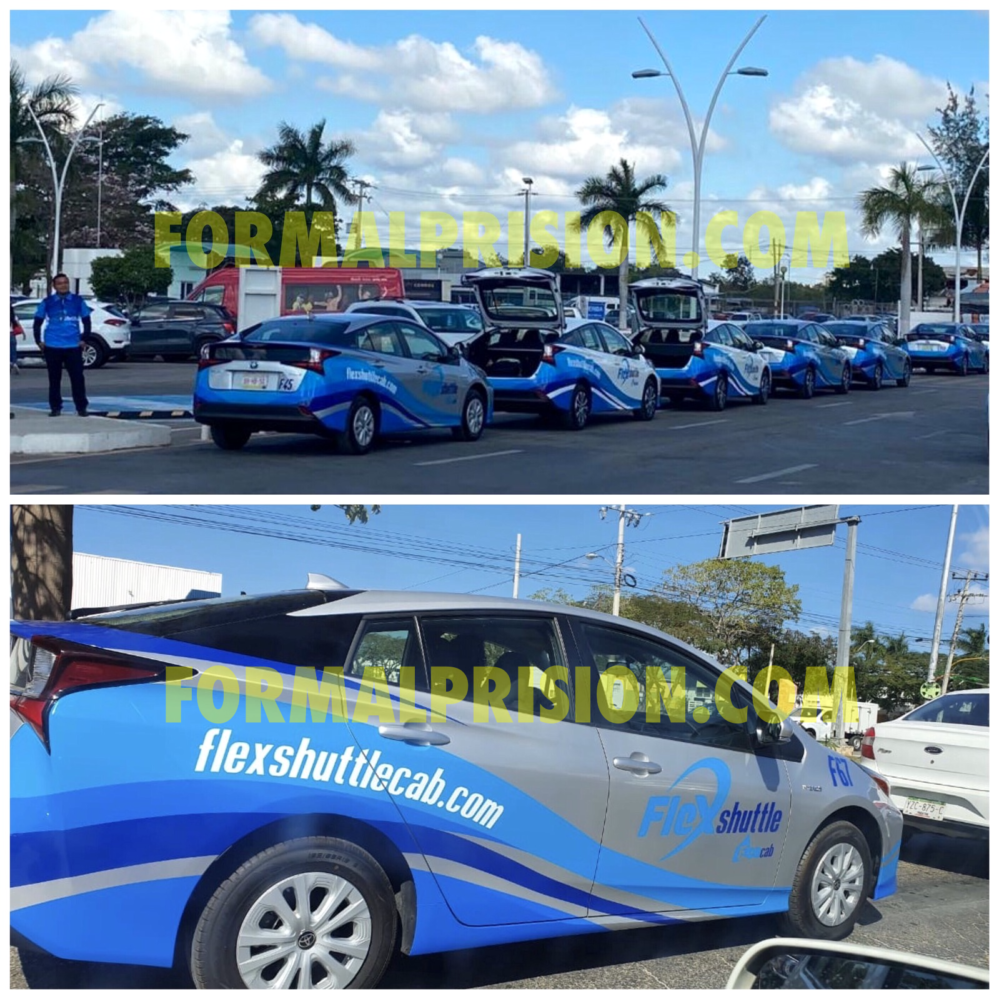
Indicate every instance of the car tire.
{"type": "Point", "coordinates": [650, 401]}
{"type": "Point", "coordinates": [580, 404]}
{"type": "Point", "coordinates": [473, 417]}
{"type": "Point", "coordinates": [962, 368]}
{"type": "Point", "coordinates": [838, 845]}
{"type": "Point", "coordinates": [903, 382]}
{"type": "Point", "coordinates": [242, 905]}
{"type": "Point", "coordinates": [985, 365]}
{"type": "Point", "coordinates": [807, 388]}
{"type": "Point", "coordinates": [95, 353]}
{"type": "Point", "coordinates": [856, 742]}
{"type": "Point", "coordinates": [877, 379]}
{"type": "Point", "coordinates": [229, 437]}
{"type": "Point", "coordinates": [844, 383]}
{"type": "Point", "coordinates": [718, 398]}
{"type": "Point", "coordinates": [362, 427]}
{"type": "Point", "coordinates": [766, 389]}
{"type": "Point", "coordinates": [811, 732]}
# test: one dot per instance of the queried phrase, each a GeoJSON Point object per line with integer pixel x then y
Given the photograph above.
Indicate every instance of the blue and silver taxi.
{"type": "Point", "coordinates": [946, 347]}
{"type": "Point", "coordinates": [802, 356]}
{"type": "Point", "coordinates": [711, 362]}
{"type": "Point", "coordinates": [284, 791]}
{"type": "Point", "coordinates": [539, 362]}
{"type": "Point", "coordinates": [350, 377]}
{"type": "Point", "coordinates": [876, 354]}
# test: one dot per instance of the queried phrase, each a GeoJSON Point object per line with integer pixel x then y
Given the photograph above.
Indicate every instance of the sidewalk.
{"type": "Point", "coordinates": [32, 432]}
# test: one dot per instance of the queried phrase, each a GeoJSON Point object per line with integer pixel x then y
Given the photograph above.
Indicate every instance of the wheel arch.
{"type": "Point", "coordinates": [869, 829]}
{"type": "Point", "coordinates": [381, 847]}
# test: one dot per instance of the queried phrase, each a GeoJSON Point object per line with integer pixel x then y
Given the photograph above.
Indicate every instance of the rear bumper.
{"type": "Point", "coordinates": [287, 419]}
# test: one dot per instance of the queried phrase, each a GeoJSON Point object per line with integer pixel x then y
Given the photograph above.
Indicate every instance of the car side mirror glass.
{"type": "Point", "coordinates": [638, 349]}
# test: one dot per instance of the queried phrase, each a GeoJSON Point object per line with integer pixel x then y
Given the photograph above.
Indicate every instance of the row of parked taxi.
{"type": "Point", "coordinates": [357, 375]}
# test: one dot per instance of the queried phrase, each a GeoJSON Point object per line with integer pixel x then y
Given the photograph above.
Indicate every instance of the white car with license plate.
{"type": "Point", "coordinates": [935, 761]}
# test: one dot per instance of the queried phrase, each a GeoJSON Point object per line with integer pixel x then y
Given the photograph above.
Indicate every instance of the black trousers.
{"type": "Point", "coordinates": [70, 358]}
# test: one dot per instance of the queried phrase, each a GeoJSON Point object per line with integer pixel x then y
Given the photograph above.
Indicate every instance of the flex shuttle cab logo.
{"type": "Point", "coordinates": [219, 754]}
{"type": "Point", "coordinates": [692, 819]}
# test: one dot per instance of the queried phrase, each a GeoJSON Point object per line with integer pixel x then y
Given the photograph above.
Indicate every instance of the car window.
{"type": "Point", "coordinates": [720, 334]}
{"type": "Point", "coordinates": [195, 312]}
{"type": "Point", "coordinates": [153, 312]}
{"type": "Point", "coordinates": [300, 330]}
{"type": "Point", "coordinates": [588, 336]}
{"type": "Point", "coordinates": [422, 346]}
{"type": "Point", "coordinates": [687, 713]}
{"type": "Point", "coordinates": [25, 313]}
{"type": "Point", "coordinates": [382, 338]}
{"type": "Point", "coordinates": [451, 320]}
{"type": "Point", "coordinates": [384, 648]}
{"type": "Point", "coordinates": [954, 709]}
{"type": "Point", "coordinates": [741, 339]}
{"type": "Point", "coordinates": [616, 344]}
{"type": "Point", "coordinates": [518, 660]}
{"type": "Point", "coordinates": [214, 294]}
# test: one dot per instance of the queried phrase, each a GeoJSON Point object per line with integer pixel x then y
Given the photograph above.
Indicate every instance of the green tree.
{"type": "Point", "coordinates": [972, 646]}
{"type": "Point", "coordinates": [740, 603]}
{"type": "Point", "coordinates": [960, 140]}
{"type": "Point", "coordinates": [303, 164]}
{"type": "Point", "coordinates": [888, 265]}
{"type": "Point", "coordinates": [856, 280]}
{"type": "Point", "coordinates": [130, 277]}
{"type": "Point", "coordinates": [899, 205]}
{"type": "Point", "coordinates": [52, 102]}
{"type": "Point", "coordinates": [631, 201]}
{"type": "Point", "coordinates": [796, 652]}
{"type": "Point", "coordinates": [741, 276]}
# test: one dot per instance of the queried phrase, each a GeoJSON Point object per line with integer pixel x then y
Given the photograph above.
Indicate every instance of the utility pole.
{"type": "Point", "coordinates": [516, 571]}
{"type": "Point", "coordinates": [845, 613]}
{"type": "Point", "coordinates": [528, 181]}
{"type": "Point", "coordinates": [362, 186]}
{"type": "Point", "coordinates": [919, 275]}
{"type": "Point", "coordinates": [626, 518]}
{"type": "Point", "coordinates": [931, 671]}
{"type": "Point", "coordinates": [962, 598]}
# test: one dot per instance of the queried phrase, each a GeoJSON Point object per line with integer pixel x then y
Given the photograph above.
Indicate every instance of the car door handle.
{"type": "Point", "coordinates": [422, 371]}
{"type": "Point", "coordinates": [638, 764]}
{"type": "Point", "coordinates": [378, 364]}
{"type": "Point", "coordinates": [414, 733]}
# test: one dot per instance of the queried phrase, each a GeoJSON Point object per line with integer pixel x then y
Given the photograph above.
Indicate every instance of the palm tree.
{"type": "Point", "coordinates": [52, 102]}
{"type": "Point", "coordinates": [302, 163]}
{"type": "Point", "coordinates": [903, 202]}
{"type": "Point", "coordinates": [630, 201]}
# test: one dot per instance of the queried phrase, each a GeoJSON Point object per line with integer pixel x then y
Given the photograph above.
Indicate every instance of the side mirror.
{"type": "Point", "coordinates": [821, 964]}
{"type": "Point", "coordinates": [774, 732]}
{"type": "Point", "coordinates": [637, 349]}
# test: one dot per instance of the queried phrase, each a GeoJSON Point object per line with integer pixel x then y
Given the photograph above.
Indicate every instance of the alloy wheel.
{"type": "Point", "coordinates": [838, 884]}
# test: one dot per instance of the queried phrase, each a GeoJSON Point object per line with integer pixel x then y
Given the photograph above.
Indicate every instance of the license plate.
{"type": "Point", "coordinates": [924, 808]}
{"type": "Point", "coordinates": [251, 381]}
{"type": "Point", "coordinates": [929, 346]}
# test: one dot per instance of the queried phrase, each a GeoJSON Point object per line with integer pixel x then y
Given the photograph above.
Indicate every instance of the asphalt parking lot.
{"type": "Point", "coordinates": [931, 438]}
{"type": "Point", "coordinates": [940, 910]}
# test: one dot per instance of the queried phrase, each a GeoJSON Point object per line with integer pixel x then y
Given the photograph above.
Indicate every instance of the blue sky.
{"type": "Point", "coordinates": [458, 106]}
{"type": "Point", "coordinates": [898, 568]}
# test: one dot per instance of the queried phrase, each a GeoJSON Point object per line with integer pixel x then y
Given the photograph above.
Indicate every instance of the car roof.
{"type": "Point", "coordinates": [792, 322]}
{"type": "Point", "coordinates": [348, 320]}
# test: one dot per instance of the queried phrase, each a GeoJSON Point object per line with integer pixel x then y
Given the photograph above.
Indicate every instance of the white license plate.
{"type": "Point", "coordinates": [251, 381]}
{"type": "Point", "coordinates": [924, 809]}
{"type": "Point", "coordinates": [922, 345]}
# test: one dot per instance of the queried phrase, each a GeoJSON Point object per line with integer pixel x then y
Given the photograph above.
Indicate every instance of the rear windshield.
{"type": "Point", "coordinates": [936, 328]}
{"type": "Point", "coordinates": [669, 307]}
{"type": "Point", "coordinates": [773, 329]}
{"type": "Point", "coordinates": [954, 709]}
{"type": "Point", "coordinates": [336, 333]}
{"type": "Point", "coordinates": [451, 320]}
{"type": "Point", "coordinates": [846, 329]}
{"type": "Point", "coordinates": [519, 302]}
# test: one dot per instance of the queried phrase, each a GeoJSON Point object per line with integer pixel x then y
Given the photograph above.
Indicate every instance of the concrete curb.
{"type": "Point", "coordinates": [32, 434]}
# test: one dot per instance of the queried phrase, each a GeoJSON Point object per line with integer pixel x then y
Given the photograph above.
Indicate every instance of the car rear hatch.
{"type": "Point", "coordinates": [261, 366]}
{"type": "Point", "coordinates": [929, 341]}
{"type": "Point", "coordinates": [933, 753]}
{"type": "Point", "coordinates": [671, 318]}
{"type": "Point", "coordinates": [517, 298]}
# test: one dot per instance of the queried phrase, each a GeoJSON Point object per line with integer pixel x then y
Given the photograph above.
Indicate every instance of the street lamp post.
{"type": "Point", "coordinates": [958, 218]}
{"type": "Point", "coordinates": [697, 146]}
{"type": "Point", "coordinates": [59, 181]}
{"type": "Point", "coordinates": [529, 181]}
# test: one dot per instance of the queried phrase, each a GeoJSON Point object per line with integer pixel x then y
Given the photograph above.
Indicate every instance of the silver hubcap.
{"type": "Point", "coordinates": [310, 931]}
{"type": "Point", "coordinates": [838, 884]}
{"type": "Point", "coordinates": [89, 355]}
{"type": "Point", "coordinates": [475, 415]}
{"type": "Point", "coordinates": [364, 426]}
{"type": "Point", "coordinates": [650, 397]}
{"type": "Point", "coordinates": [582, 406]}
{"type": "Point", "coordinates": [877, 375]}
{"type": "Point", "coordinates": [765, 387]}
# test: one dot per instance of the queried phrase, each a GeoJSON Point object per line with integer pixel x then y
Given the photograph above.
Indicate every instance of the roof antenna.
{"type": "Point", "coordinates": [317, 581]}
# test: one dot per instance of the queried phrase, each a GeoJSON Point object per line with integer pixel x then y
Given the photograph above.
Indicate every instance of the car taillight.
{"type": "Point", "coordinates": [115, 322]}
{"type": "Point", "coordinates": [58, 667]}
{"type": "Point", "coordinates": [789, 346]}
{"type": "Point", "coordinates": [229, 328]}
{"type": "Point", "coordinates": [317, 358]}
{"type": "Point", "coordinates": [867, 745]}
{"type": "Point", "coordinates": [17, 330]}
{"type": "Point", "coordinates": [883, 784]}
{"type": "Point", "coordinates": [861, 343]}
{"type": "Point", "coordinates": [699, 349]}
{"type": "Point", "coordinates": [207, 358]}
{"type": "Point", "coordinates": [549, 352]}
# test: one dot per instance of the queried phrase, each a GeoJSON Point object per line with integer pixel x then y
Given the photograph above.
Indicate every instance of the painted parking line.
{"type": "Point", "coordinates": [470, 457]}
{"type": "Point", "coordinates": [703, 423]}
{"type": "Point", "coordinates": [880, 416]}
{"type": "Point", "coordinates": [926, 437]}
{"type": "Point", "coordinates": [833, 405]}
{"type": "Point", "coordinates": [774, 475]}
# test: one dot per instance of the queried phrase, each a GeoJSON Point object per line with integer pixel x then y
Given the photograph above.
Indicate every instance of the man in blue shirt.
{"type": "Point", "coordinates": [62, 314]}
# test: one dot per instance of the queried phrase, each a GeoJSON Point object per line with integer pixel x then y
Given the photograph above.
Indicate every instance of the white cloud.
{"type": "Point", "coordinates": [403, 138]}
{"type": "Point", "coordinates": [192, 53]}
{"type": "Point", "coordinates": [925, 602]}
{"type": "Point", "coordinates": [976, 551]}
{"type": "Point", "coordinates": [225, 177]}
{"type": "Point", "coordinates": [845, 110]}
{"type": "Point", "coordinates": [415, 71]}
{"type": "Point", "coordinates": [205, 136]}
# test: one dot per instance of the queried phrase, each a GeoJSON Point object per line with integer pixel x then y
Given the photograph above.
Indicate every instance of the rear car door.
{"type": "Point", "coordinates": [696, 815]}
{"type": "Point", "coordinates": [184, 321]}
{"type": "Point", "coordinates": [831, 356]}
{"type": "Point", "coordinates": [149, 328]}
{"type": "Point", "coordinates": [507, 809]}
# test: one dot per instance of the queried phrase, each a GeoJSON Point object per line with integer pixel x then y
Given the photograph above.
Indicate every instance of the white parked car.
{"type": "Point", "coordinates": [935, 760]}
{"type": "Point", "coordinates": [110, 332]}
